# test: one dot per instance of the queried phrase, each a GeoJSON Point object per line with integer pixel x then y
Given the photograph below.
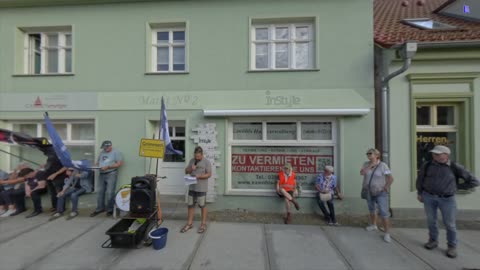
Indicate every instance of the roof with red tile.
{"type": "Point", "coordinates": [390, 31]}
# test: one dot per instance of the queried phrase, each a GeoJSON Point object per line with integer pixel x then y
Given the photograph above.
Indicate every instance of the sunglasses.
{"type": "Point", "coordinates": [368, 154]}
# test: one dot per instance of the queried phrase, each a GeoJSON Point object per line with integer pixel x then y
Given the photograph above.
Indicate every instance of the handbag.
{"type": "Point", "coordinates": [324, 197]}
{"type": "Point", "coordinates": [364, 193]}
{"type": "Point", "coordinates": [366, 190]}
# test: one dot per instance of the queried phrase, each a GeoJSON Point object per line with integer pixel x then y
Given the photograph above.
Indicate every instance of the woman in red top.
{"type": "Point", "coordinates": [285, 189]}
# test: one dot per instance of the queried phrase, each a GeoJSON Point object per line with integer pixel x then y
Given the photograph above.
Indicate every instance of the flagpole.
{"type": "Point", "coordinates": [150, 163]}
{"type": "Point", "coordinates": [159, 134]}
{"type": "Point", "coordinates": [33, 162]}
{"type": "Point", "coordinates": [157, 192]}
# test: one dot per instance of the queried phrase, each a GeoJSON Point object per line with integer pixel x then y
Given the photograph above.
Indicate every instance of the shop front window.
{"type": "Point", "coordinates": [436, 125]}
{"type": "Point", "coordinates": [260, 149]}
{"type": "Point", "coordinates": [77, 135]}
{"type": "Point", "coordinates": [247, 131]}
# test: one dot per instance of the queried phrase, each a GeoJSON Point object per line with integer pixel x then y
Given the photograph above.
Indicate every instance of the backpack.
{"type": "Point", "coordinates": [453, 167]}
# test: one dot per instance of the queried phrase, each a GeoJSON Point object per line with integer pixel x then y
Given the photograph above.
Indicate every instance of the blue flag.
{"type": "Point", "coordinates": [62, 151]}
{"type": "Point", "coordinates": [164, 133]}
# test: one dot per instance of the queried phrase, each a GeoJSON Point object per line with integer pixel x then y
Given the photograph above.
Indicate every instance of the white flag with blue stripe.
{"type": "Point", "coordinates": [164, 133]}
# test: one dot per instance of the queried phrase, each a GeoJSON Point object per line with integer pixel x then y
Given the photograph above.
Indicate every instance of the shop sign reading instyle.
{"type": "Point", "coordinates": [257, 167]}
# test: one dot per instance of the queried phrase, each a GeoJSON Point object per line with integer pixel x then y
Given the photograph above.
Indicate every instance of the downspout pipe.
{"type": "Point", "coordinates": [386, 110]}
{"type": "Point", "coordinates": [407, 51]}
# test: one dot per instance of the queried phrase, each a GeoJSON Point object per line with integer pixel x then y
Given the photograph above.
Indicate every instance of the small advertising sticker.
{"type": "Point", "coordinates": [151, 148]}
{"type": "Point", "coordinates": [257, 167]}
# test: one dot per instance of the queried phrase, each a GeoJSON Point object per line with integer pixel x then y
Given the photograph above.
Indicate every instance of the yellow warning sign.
{"type": "Point", "coordinates": [152, 148]}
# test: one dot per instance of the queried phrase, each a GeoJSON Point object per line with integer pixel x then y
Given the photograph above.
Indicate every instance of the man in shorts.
{"type": "Point", "coordinates": [201, 168]}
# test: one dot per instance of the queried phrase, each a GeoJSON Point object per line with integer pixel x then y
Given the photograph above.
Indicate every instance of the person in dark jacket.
{"type": "Point", "coordinates": [436, 188]}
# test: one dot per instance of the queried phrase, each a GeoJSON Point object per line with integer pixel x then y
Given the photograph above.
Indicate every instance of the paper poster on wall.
{"type": "Point", "coordinates": [205, 135]}
{"type": "Point", "coordinates": [257, 167]}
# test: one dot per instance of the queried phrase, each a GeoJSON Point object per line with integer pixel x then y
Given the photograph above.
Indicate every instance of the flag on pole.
{"type": "Point", "coordinates": [62, 151]}
{"type": "Point", "coordinates": [12, 137]}
{"type": "Point", "coordinates": [164, 133]}
{"type": "Point", "coordinates": [17, 138]}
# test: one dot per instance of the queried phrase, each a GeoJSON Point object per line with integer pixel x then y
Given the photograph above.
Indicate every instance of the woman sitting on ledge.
{"type": "Point", "coordinates": [286, 186]}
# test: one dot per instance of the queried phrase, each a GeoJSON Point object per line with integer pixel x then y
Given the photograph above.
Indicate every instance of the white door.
{"type": "Point", "coordinates": [173, 166]}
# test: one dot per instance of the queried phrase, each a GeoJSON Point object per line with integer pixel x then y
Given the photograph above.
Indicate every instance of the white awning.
{"type": "Point", "coordinates": [286, 112]}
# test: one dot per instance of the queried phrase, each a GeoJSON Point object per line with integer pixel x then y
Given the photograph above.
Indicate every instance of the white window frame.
{"type": "Point", "coordinates": [264, 142]}
{"type": "Point", "coordinates": [292, 42]}
{"type": "Point", "coordinates": [67, 141]}
{"type": "Point", "coordinates": [170, 45]}
{"type": "Point", "coordinates": [29, 52]}
{"type": "Point", "coordinates": [435, 127]}
{"type": "Point", "coordinates": [173, 136]}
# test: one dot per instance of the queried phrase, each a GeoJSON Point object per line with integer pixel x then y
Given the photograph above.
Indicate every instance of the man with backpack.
{"type": "Point", "coordinates": [437, 183]}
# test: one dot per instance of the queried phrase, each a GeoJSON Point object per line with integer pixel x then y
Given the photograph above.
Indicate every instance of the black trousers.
{"type": "Point", "coordinates": [14, 196]}
{"type": "Point", "coordinates": [54, 187]}
{"type": "Point", "coordinates": [18, 197]}
{"type": "Point", "coordinates": [330, 214]}
{"type": "Point", "coordinates": [37, 199]}
{"type": "Point", "coordinates": [5, 197]}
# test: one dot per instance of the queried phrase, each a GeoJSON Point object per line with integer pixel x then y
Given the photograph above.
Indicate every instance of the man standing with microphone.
{"type": "Point", "coordinates": [201, 168]}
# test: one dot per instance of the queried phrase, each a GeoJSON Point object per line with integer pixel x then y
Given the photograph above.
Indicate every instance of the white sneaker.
{"type": "Point", "coordinates": [371, 228]}
{"type": "Point", "coordinates": [2, 212]}
{"type": "Point", "coordinates": [8, 213]}
{"type": "Point", "coordinates": [387, 238]}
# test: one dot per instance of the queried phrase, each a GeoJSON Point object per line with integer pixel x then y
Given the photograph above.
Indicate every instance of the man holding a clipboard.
{"type": "Point", "coordinates": [201, 168]}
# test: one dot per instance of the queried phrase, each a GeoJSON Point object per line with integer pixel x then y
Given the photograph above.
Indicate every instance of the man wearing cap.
{"type": "Point", "coordinates": [109, 161]}
{"type": "Point", "coordinates": [201, 168]}
{"type": "Point", "coordinates": [436, 188]}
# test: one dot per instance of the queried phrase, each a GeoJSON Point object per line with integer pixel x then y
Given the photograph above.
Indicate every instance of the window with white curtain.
{"type": "Point", "coordinates": [47, 50]}
{"type": "Point", "coordinates": [282, 46]}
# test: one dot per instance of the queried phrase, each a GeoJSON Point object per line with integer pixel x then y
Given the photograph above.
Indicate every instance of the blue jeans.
{"type": "Point", "coordinates": [330, 213]}
{"type": "Point", "coordinates": [448, 209]}
{"type": "Point", "coordinates": [381, 200]}
{"type": "Point", "coordinates": [73, 193]}
{"type": "Point", "coordinates": [107, 184]}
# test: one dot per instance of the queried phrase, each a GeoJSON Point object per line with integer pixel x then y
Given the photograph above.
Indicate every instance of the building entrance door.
{"type": "Point", "coordinates": [173, 166]}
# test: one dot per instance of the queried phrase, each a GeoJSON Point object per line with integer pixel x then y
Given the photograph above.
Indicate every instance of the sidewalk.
{"type": "Point", "coordinates": [37, 243]}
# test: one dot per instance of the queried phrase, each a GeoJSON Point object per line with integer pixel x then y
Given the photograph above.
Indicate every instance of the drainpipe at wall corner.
{"type": "Point", "coordinates": [406, 51]}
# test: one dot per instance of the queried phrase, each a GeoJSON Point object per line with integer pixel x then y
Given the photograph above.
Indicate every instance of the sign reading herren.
{"type": "Point", "coordinates": [257, 167]}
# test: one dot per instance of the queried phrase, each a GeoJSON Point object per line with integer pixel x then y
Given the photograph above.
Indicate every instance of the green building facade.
{"type": "Point", "coordinates": [439, 94]}
{"type": "Point", "coordinates": [256, 83]}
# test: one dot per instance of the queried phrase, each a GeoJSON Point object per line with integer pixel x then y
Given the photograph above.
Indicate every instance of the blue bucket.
{"type": "Point", "coordinates": [159, 238]}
